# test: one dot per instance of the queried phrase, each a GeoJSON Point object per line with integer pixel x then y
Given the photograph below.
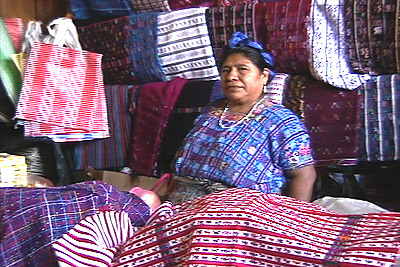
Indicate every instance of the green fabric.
{"type": "Point", "coordinates": [9, 73]}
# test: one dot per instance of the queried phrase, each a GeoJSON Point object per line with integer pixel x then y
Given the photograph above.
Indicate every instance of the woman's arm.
{"type": "Point", "coordinates": [301, 182]}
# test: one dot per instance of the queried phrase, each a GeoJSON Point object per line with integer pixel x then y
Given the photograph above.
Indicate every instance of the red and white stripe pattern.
{"type": "Point", "coordinates": [94, 241]}
{"type": "Point", "coordinates": [241, 227]}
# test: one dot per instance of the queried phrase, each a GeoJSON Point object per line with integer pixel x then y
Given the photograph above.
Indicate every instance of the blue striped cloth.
{"type": "Point", "coordinates": [111, 152]}
{"type": "Point", "coordinates": [32, 218]}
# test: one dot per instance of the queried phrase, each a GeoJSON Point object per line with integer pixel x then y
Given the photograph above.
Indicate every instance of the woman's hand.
{"type": "Point", "coordinates": [301, 185]}
{"type": "Point", "coordinates": [149, 197]}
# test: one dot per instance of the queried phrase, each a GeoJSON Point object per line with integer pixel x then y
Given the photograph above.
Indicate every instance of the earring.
{"type": "Point", "coordinates": [264, 89]}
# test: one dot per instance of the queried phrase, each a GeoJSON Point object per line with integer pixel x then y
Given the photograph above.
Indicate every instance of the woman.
{"type": "Point", "coordinates": [245, 140]}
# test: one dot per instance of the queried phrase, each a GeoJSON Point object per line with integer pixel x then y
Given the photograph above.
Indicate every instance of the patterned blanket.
{"type": "Point", "coordinates": [242, 227]}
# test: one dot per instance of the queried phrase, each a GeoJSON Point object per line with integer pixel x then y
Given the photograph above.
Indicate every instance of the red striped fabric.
{"type": "Point", "coordinates": [94, 241]}
{"type": "Point", "coordinates": [63, 94]}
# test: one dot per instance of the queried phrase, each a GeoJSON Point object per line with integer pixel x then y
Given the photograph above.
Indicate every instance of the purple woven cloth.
{"type": "Point", "coordinates": [371, 36]}
{"type": "Point", "coordinates": [32, 218]}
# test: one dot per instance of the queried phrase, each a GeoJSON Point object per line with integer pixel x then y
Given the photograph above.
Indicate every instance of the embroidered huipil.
{"type": "Point", "coordinates": [252, 154]}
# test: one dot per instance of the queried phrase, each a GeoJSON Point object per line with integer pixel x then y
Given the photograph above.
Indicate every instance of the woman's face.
{"type": "Point", "coordinates": [241, 80]}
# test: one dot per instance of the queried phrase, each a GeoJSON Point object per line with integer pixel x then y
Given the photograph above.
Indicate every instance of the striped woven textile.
{"type": "Point", "coordinates": [31, 219]}
{"type": "Point", "coordinates": [372, 36]}
{"type": "Point", "coordinates": [242, 227]}
{"type": "Point", "coordinates": [184, 46]}
{"type": "Point", "coordinates": [379, 119]}
{"type": "Point", "coordinates": [224, 21]}
{"type": "Point", "coordinates": [328, 55]}
{"type": "Point", "coordinates": [182, 4]}
{"type": "Point", "coordinates": [284, 33]}
{"type": "Point", "coordinates": [97, 237]}
{"type": "Point", "coordinates": [110, 39]}
{"type": "Point", "coordinates": [111, 152]}
{"type": "Point", "coordinates": [143, 48]}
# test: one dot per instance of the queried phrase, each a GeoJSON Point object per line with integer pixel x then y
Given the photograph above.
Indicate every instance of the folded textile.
{"type": "Point", "coordinates": [156, 102]}
{"type": "Point", "coordinates": [329, 61]}
{"type": "Point", "coordinates": [285, 33]}
{"type": "Point", "coordinates": [184, 47]}
{"type": "Point", "coordinates": [331, 116]}
{"type": "Point", "coordinates": [379, 119]}
{"type": "Point", "coordinates": [111, 152]}
{"type": "Point", "coordinates": [371, 36]}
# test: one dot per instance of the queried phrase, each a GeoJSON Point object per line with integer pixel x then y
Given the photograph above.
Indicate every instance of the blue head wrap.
{"type": "Point", "coordinates": [239, 39]}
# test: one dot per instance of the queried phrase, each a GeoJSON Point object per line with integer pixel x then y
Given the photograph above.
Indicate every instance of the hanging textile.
{"type": "Point", "coordinates": [328, 56]}
{"type": "Point", "coordinates": [184, 46]}
{"type": "Point", "coordinates": [155, 104]}
{"type": "Point", "coordinates": [224, 21]}
{"type": "Point", "coordinates": [286, 33]}
{"type": "Point", "coordinates": [372, 36]}
{"type": "Point", "coordinates": [111, 152]}
{"type": "Point", "coordinates": [380, 119]}
{"type": "Point", "coordinates": [110, 39]}
{"type": "Point", "coordinates": [330, 115]}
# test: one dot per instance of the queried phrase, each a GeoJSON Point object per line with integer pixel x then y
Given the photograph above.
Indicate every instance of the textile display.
{"type": "Point", "coordinates": [139, 6]}
{"type": "Point", "coordinates": [332, 122]}
{"type": "Point", "coordinates": [243, 227]}
{"type": "Point", "coordinates": [285, 27]}
{"type": "Point", "coordinates": [95, 234]}
{"type": "Point", "coordinates": [372, 36]}
{"type": "Point", "coordinates": [9, 73]}
{"type": "Point", "coordinates": [15, 27]}
{"type": "Point", "coordinates": [156, 102]}
{"type": "Point", "coordinates": [111, 152]}
{"type": "Point", "coordinates": [224, 21]}
{"type": "Point", "coordinates": [110, 39]}
{"type": "Point", "coordinates": [272, 136]}
{"type": "Point", "coordinates": [62, 95]}
{"type": "Point", "coordinates": [31, 219]}
{"type": "Point", "coordinates": [184, 47]}
{"type": "Point", "coordinates": [143, 40]}
{"type": "Point", "coordinates": [328, 55]}
{"type": "Point", "coordinates": [380, 124]}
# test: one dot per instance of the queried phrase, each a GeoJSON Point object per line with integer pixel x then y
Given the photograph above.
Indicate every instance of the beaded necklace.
{"type": "Point", "coordinates": [248, 115]}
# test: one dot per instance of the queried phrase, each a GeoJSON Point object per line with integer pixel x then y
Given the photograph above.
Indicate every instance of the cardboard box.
{"type": "Point", "coordinates": [122, 181]}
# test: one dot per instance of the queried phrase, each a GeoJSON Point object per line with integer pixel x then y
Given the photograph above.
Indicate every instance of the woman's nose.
{"type": "Point", "coordinates": [233, 74]}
